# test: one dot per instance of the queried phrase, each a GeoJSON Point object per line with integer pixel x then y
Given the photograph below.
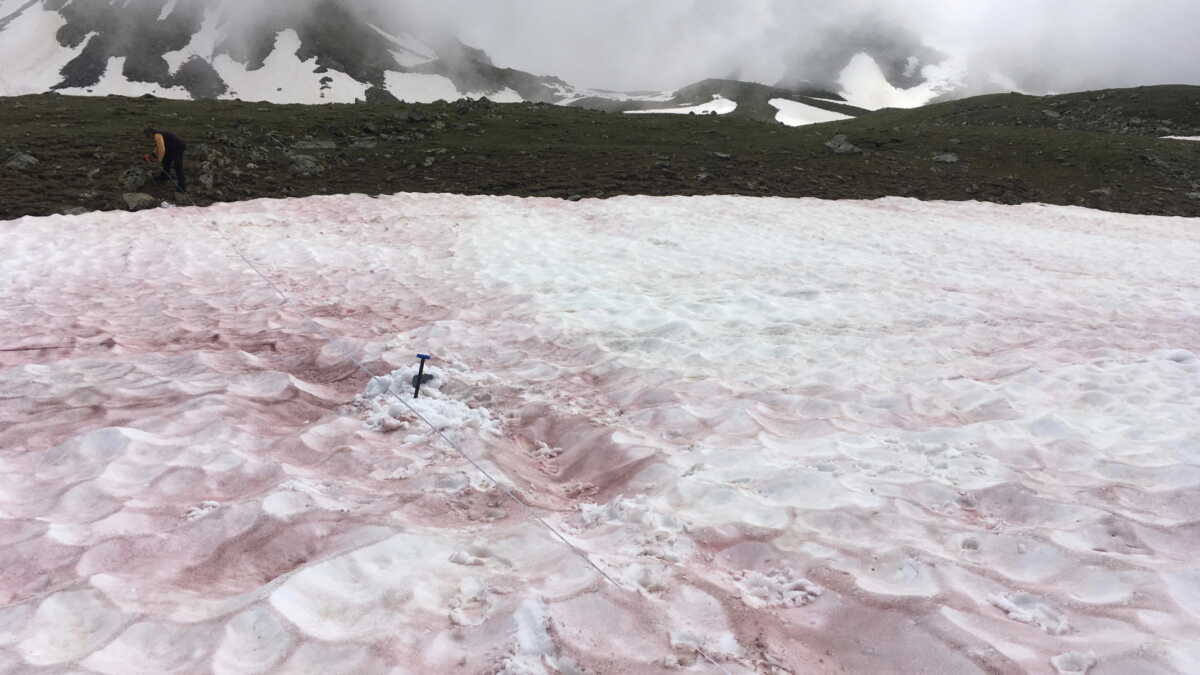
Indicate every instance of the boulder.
{"type": "Point", "coordinates": [315, 144]}
{"type": "Point", "coordinates": [842, 146]}
{"type": "Point", "coordinates": [305, 165]}
{"type": "Point", "coordinates": [138, 201]}
{"type": "Point", "coordinates": [946, 158]}
{"type": "Point", "coordinates": [377, 95]}
{"type": "Point", "coordinates": [21, 161]}
{"type": "Point", "coordinates": [133, 179]}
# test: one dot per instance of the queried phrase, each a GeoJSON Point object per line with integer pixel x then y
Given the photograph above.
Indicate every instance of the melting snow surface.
{"type": "Point", "coordinates": [718, 106]}
{"type": "Point", "coordinates": [795, 114]}
{"type": "Point", "coordinates": [964, 430]}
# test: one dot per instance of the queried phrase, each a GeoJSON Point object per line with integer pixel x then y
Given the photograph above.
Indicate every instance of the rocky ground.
{"type": "Point", "coordinates": [63, 154]}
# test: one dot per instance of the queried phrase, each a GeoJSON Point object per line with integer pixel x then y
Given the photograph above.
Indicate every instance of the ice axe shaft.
{"type": "Point", "coordinates": [420, 375]}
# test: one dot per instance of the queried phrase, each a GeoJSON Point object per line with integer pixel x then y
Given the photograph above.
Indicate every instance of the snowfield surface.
{"type": "Point", "coordinates": [1183, 138]}
{"type": "Point", "coordinates": [798, 436]}
{"type": "Point", "coordinates": [796, 114]}
{"type": "Point", "coordinates": [719, 105]}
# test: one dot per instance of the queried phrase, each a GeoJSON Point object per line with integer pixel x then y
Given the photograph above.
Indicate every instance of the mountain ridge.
{"type": "Point", "coordinates": [321, 52]}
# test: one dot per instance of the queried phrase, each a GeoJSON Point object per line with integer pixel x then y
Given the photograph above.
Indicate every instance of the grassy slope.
{"type": "Point", "coordinates": [542, 150]}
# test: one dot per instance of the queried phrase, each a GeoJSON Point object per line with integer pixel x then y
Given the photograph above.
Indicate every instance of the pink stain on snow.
{"type": "Point", "coordinates": [196, 463]}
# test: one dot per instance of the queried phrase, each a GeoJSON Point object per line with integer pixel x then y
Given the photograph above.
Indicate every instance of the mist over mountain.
{"type": "Point", "coordinates": [873, 53]}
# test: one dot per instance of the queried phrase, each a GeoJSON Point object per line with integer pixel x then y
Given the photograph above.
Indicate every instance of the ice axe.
{"type": "Point", "coordinates": [421, 378]}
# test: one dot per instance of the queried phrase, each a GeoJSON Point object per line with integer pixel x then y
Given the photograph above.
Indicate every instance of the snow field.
{"type": "Point", "coordinates": [718, 106]}
{"type": "Point", "coordinates": [30, 52]}
{"type": "Point", "coordinates": [795, 114]}
{"type": "Point", "coordinates": [964, 430]}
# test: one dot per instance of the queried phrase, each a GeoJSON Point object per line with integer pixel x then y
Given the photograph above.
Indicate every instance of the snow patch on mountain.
{"type": "Point", "coordinates": [114, 82]}
{"type": "Point", "coordinates": [285, 78]}
{"type": "Point", "coordinates": [795, 114]}
{"type": "Point", "coordinates": [167, 10]}
{"type": "Point", "coordinates": [203, 44]}
{"type": "Point", "coordinates": [864, 84]}
{"type": "Point", "coordinates": [719, 105]}
{"type": "Point", "coordinates": [420, 87]}
{"type": "Point", "coordinates": [30, 53]}
{"type": "Point", "coordinates": [409, 50]}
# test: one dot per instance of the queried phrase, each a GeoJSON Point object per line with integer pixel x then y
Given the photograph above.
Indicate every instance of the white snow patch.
{"type": "Point", "coordinates": [420, 87]}
{"type": "Point", "coordinates": [776, 588]}
{"type": "Point", "coordinates": [1074, 663]}
{"type": "Point", "coordinates": [113, 82]}
{"type": "Point", "coordinates": [506, 95]}
{"type": "Point", "coordinates": [284, 78]}
{"type": "Point", "coordinates": [1183, 138]}
{"type": "Point", "coordinates": [203, 43]}
{"type": "Point", "coordinates": [29, 51]}
{"type": "Point", "coordinates": [864, 85]}
{"type": "Point", "coordinates": [410, 51]}
{"type": "Point", "coordinates": [718, 106]}
{"type": "Point", "coordinates": [167, 10]}
{"type": "Point", "coordinates": [388, 405]}
{"type": "Point", "coordinates": [1031, 609]}
{"type": "Point", "coordinates": [795, 113]}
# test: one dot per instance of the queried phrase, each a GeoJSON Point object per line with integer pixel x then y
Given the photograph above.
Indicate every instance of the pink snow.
{"type": "Point", "coordinates": [800, 436]}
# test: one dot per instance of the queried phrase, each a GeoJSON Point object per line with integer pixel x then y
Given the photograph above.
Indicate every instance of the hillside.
{"type": "Point", "coordinates": [753, 99]}
{"type": "Point", "coordinates": [60, 153]}
{"type": "Point", "coordinates": [1169, 110]}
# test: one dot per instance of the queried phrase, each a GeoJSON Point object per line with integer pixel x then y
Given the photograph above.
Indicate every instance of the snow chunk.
{"type": "Point", "coordinates": [776, 588]}
{"type": "Point", "coordinates": [1031, 609]}
{"type": "Point", "coordinates": [1074, 663]}
{"type": "Point", "coordinates": [388, 405]}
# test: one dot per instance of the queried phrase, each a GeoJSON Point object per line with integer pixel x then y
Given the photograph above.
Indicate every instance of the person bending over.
{"type": "Point", "coordinates": [169, 149]}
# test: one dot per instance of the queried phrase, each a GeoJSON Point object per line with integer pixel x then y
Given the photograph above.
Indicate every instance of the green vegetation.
{"type": "Point", "coordinates": [89, 151]}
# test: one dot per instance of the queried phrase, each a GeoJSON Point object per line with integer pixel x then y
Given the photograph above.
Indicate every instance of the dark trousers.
{"type": "Point", "coordinates": [174, 159]}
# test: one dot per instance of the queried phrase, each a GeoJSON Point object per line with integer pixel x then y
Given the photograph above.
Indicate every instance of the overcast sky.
{"type": "Point", "coordinates": [662, 44]}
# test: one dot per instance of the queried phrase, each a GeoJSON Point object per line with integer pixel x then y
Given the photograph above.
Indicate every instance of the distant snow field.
{"type": "Point", "coordinates": [788, 436]}
{"type": "Point", "coordinates": [1183, 138]}
{"type": "Point", "coordinates": [30, 52]}
{"type": "Point", "coordinates": [795, 114]}
{"type": "Point", "coordinates": [719, 105]}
